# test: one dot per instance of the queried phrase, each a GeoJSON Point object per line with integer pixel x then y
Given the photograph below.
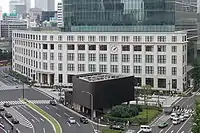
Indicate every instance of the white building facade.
{"type": "Point", "coordinates": [156, 59]}
{"type": "Point", "coordinates": [60, 15]}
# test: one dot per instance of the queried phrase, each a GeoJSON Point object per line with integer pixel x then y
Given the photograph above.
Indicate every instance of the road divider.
{"type": "Point", "coordinates": [55, 124]}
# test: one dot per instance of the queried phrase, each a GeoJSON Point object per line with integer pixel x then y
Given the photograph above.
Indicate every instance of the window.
{"type": "Point", "coordinates": [70, 47]}
{"type": "Point", "coordinates": [52, 46]}
{"type": "Point", "coordinates": [44, 37]}
{"type": "Point", "coordinates": [125, 38]}
{"type": "Point", "coordinates": [92, 57]}
{"type": "Point", "coordinates": [60, 56]}
{"type": "Point", "coordinates": [137, 69]}
{"type": "Point", "coordinates": [81, 47]}
{"type": "Point", "coordinates": [69, 78]}
{"type": "Point", "coordinates": [51, 56]}
{"type": "Point", "coordinates": [103, 47]}
{"type": "Point", "coordinates": [45, 66]}
{"type": "Point", "coordinates": [113, 38]}
{"type": "Point", "coordinates": [150, 81]}
{"type": "Point", "coordinates": [60, 67]}
{"type": "Point", "coordinates": [149, 48]}
{"type": "Point", "coordinates": [138, 81]}
{"type": "Point", "coordinates": [44, 56]}
{"type": "Point", "coordinates": [174, 59]}
{"type": "Point", "coordinates": [137, 38]}
{"type": "Point", "coordinates": [81, 67]}
{"type": "Point", "coordinates": [125, 57]}
{"type": "Point", "coordinates": [174, 38]}
{"type": "Point", "coordinates": [92, 47]}
{"type": "Point", "coordinates": [45, 46]}
{"type": "Point", "coordinates": [125, 69]}
{"type": "Point", "coordinates": [80, 38]}
{"type": "Point", "coordinates": [70, 67]}
{"type": "Point", "coordinates": [149, 58]}
{"type": "Point", "coordinates": [70, 38]}
{"type": "Point", "coordinates": [70, 56]}
{"type": "Point", "coordinates": [149, 70]}
{"type": "Point", "coordinates": [125, 47]}
{"type": "Point", "coordinates": [103, 57]}
{"type": "Point", "coordinates": [137, 48]}
{"type": "Point", "coordinates": [174, 83]}
{"type": "Point", "coordinates": [51, 38]}
{"type": "Point", "coordinates": [148, 38]}
{"type": "Point", "coordinates": [174, 48]}
{"type": "Point", "coordinates": [162, 70]}
{"type": "Point", "coordinates": [102, 68]}
{"type": "Point", "coordinates": [184, 38]}
{"type": "Point", "coordinates": [60, 78]}
{"type": "Point", "coordinates": [81, 57]}
{"type": "Point", "coordinates": [102, 38]}
{"type": "Point", "coordinates": [137, 58]}
{"type": "Point", "coordinates": [114, 58]}
{"type": "Point", "coordinates": [91, 38]}
{"type": "Point", "coordinates": [51, 66]}
{"type": "Point", "coordinates": [92, 67]}
{"type": "Point", "coordinates": [161, 48]}
{"type": "Point", "coordinates": [161, 83]}
{"type": "Point", "coordinates": [162, 59]}
{"type": "Point", "coordinates": [174, 71]}
{"type": "Point", "coordinates": [60, 38]}
{"type": "Point", "coordinates": [114, 68]}
{"type": "Point", "coordinates": [161, 38]}
{"type": "Point", "coordinates": [59, 46]}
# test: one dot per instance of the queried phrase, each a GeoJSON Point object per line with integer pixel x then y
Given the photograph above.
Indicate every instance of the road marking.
{"type": "Point", "coordinates": [32, 120]}
{"type": "Point", "coordinates": [17, 107]}
{"type": "Point", "coordinates": [30, 114]}
{"type": "Point", "coordinates": [182, 131]}
{"type": "Point", "coordinates": [41, 119]}
{"type": "Point", "coordinates": [66, 114]}
{"type": "Point", "coordinates": [68, 124]}
{"type": "Point", "coordinates": [78, 124]}
{"type": "Point", "coordinates": [161, 130]}
{"type": "Point", "coordinates": [172, 131]}
{"type": "Point", "coordinates": [58, 115]}
{"type": "Point", "coordinates": [54, 107]}
{"type": "Point", "coordinates": [169, 128]}
{"type": "Point", "coordinates": [44, 130]}
{"type": "Point", "coordinates": [183, 125]}
{"type": "Point", "coordinates": [46, 107]}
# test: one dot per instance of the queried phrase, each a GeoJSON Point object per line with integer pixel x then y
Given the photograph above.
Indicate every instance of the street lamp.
{"type": "Point", "coordinates": [91, 101]}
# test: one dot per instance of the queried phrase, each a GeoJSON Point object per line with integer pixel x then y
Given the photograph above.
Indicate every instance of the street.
{"type": "Point", "coordinates": [29, 120]}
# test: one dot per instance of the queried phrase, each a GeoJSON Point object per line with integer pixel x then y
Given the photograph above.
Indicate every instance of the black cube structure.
{"type": "Point", "coordinates": [106, 89]}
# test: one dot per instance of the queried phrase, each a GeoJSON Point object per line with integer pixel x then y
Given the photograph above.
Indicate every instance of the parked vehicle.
{"type": "Point", "coordinates": [71, 120]}
{"type": "Point", "coordinates": [53, 102]}
{"type": "Point", "coordinates": [2, 108]}
{"type": "Point", "coordinates": [83, 120]}
{"type": "Point", "coordinates": [8, 115]}
{"type": "Point", "coordinates": [6, 105]}
{"type": "Point", "coordinates": [15, 121]}
{"type": "Point", "coordinates": [176, 121]}
{"type": "Point", "coordinates": [146, 128]}
{"type": "Point", "coordinates": [162, 124]}
{"type": "Point", "coordinates": [117, 127]}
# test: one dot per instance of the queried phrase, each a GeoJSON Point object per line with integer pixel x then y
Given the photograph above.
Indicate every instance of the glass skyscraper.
{"type": "Point", "coordinates": [129, 15]}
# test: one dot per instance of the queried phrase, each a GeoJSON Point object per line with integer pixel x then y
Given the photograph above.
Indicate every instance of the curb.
{"type": "Point", "coordinates": [54, 128]}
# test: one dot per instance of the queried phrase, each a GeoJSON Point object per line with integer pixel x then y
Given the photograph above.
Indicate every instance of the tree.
{"type": "Point", "coordinates": [196, 73]}
{"type": "Point", "coordinates": [147, 91]}
{"type": "Point", "coordinates": [196, 120]}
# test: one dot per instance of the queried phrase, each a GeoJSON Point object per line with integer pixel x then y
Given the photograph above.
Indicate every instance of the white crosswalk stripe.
{"type": "Point", "coordinates": [11, 102]}
{"type": "Point", "coordinates": [40, 101]}
{"type": "Point", "coordinates": [17, 102]}
{"type": "Point", "coordinates": [22, 120]}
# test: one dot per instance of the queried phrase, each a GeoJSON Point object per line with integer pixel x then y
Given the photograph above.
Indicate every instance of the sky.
{"type": "Point", "coordinates": [5, 4]}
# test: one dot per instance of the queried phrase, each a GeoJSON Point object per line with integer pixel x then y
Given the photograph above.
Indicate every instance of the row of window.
{"type": "Point", "coordinates": [147, 48]}
{"type": "Point", "coordinates": [99, 38]}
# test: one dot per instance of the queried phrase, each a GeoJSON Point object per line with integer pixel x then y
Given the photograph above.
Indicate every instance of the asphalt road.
{"type": "Point", "coordinates": [183, 127]}
{"type": "Point", "coordinates": [62, 115]}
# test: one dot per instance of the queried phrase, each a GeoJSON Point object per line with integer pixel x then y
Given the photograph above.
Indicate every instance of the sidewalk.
{"type": "Point", "coordinates": [55, 94]}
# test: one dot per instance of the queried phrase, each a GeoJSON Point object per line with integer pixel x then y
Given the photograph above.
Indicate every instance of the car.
{"type": "Point", "coordinates": [162, 124]}
{"type": "Point", "coordinates": [83, 120]}
{"type": "Point", "coordinates": [15, 121]}
{"type": "Point", "coordinates": [97, 131]}
{"type": "Point", "coordinates": [130, 131]}
{"type": "Point", "coordinates": [53, 102]}
{"type": "Point", "coordinates": [2, 108]}
{"type": "Point", "coordinates": [71, 120]}
{"type": "Point", "coordinates": [176, 120]}
{"type": "Point", "coordinates": [8, 115]}
{"type": "Point", "coordinates": [173, 115]}
{"type": "Point", "coordinates": [117, 127]}
{"type": "Point", "coordinates": [186, 115]}
{"type": "Point", "coordinates": [6, 104]}
{"type": "Point", "coordinates": [146, 128]}
{"type": "Point", "coordinates": [182, 118]}
{"type": "Point", "coordinates": [61, 100]}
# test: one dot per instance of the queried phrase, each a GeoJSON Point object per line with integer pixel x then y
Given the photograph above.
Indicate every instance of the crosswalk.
{"type": "Point", "coordinates": [18, 102]}
{"type": "Point", "coordinates": [22, 120]}
{"type": "Point", "coordinates": [17, 87]}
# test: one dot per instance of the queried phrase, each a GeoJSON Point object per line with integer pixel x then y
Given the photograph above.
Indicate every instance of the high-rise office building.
{"type": "Point", "coordinates": [45, 5]}
{"type": "Point", "coordinates": [19, 6]}
{"type": "Point", "coordinates": [60, 15]}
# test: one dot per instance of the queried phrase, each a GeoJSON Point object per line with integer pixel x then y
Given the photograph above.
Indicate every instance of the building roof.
{"type": "Point", "coordinates": [97, 77]}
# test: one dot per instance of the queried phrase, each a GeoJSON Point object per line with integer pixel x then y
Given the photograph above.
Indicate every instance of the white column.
{"type": "Point", "coordinates": [94, 113]}
{"type": "Point", "coordinates": [48, 79]}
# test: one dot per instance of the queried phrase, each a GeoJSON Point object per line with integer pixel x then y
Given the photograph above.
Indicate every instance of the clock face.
{"type": "Point", "coordinates": [114, 49]}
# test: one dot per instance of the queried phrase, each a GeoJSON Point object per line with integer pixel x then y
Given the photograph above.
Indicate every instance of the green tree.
{"type": "Point", "coordinates": [196, 73]}
{"type": "Point", "coordinates": [147, 91]}
{"type": "Point", "coordinates": [196, 120]}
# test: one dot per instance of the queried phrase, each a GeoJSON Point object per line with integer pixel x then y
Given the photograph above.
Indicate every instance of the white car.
{"type": "Point", "coordinates": [186, 115]}
{"type": "Point", "coordinates": [130, 131]}
{"type": "Point", "coordinates": [176, 121]}
{"type": "Point", "coordinates": [146, 128]}
{"type": "Point", "coordinates": [173, 115]}
{"type": "Point", "coordinates": [182, 118]}
{"type": "Point", "coordinates": [72, 120]}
